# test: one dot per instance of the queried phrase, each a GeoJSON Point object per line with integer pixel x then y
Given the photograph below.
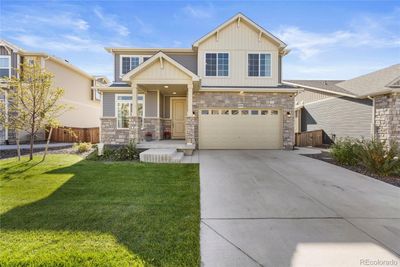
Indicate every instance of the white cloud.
{"type": "Point", "coordinates": [199, 12]}
{"type": "Point", "coordinates": [59, 43]}
{"type": "Point", "coordinates": [110, 22]}
{"type": "Point", "coordinates": [366, 31]}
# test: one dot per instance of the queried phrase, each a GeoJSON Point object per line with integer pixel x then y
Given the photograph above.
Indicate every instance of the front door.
{"type": "Point", "coordinates": [178, 117]}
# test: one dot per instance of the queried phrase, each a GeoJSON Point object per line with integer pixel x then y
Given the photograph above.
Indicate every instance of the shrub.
{"type": "Point", "coordinates": [345, 151]}
{"type": "Point", "coordinates": [379, 158]}
{"type": "Point", "coordinates": [82, 147]}
{"type": "Point", "coordinates": [126, 152]}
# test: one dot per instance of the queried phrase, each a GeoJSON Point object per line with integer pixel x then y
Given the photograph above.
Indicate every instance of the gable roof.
{"type": "Point", "coordinates": [10, 45]}
{"type": "Point", "coordinates": [327, 86]}
{"type": "Point", "coordinates": [378, 82]}
{"type": "Point", "coordinates": [158, 56]}
{"type": "Point", "coordinates": [240, 17]}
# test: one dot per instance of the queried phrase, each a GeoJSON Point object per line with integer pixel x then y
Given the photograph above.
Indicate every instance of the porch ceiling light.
{"type": "Point", "coordinates": [165, 86]}
{"type": "Point", "coordinates": [174, 93]}
{"type": "Point", "coordinates": [241, 92]}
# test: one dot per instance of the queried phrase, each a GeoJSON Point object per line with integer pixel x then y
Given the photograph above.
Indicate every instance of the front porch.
{"type": "Point", "coordinates": [155, 103]}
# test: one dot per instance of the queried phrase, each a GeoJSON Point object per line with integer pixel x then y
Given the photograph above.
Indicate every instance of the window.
{"type": "Point", "coordinates": [264, 112]}
{"type": "Point", "coordinates": [274, 112]}
{"type": "Point", "coordinates": [259, 65]}
{"type": "Point", "coordinates": [128, 63]}
{"type": "Point", "coordinates": [5, 66]}
{"type": "Point", "coordinates": [235, 112]}
{"type": "Point", "coordinates": [96, 95]}
{"type": "Point", "coordinates": [204, 112]}
{"type": "Point", "coordinates": [217, 64]}
{"type": "Point", "coordinates": [215, 112]}
{"type": "Point", "coordinates": [225, 112]}
{"type": "Point", "coordinates": [254, 112]}
{"type": "Point", "coordinates": [245, 112]}
{"type": "Point", "coordinates": [123, 109]}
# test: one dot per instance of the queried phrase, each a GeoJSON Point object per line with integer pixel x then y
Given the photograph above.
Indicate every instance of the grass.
{"type": "Point", "coordinates": [71, 212]}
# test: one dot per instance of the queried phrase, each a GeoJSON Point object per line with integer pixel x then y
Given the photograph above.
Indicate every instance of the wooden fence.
{"type": "Point", "coordinates": [71, 135]}
{"type": "Point", "coordinates": [311, 138]}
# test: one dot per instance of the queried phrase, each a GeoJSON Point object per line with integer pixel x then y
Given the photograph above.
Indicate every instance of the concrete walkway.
{"type": "Point", "coordinates": [278, 208]}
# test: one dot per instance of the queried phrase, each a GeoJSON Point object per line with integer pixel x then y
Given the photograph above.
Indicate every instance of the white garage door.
{"type": "Point", "coordinates": [240, 129]}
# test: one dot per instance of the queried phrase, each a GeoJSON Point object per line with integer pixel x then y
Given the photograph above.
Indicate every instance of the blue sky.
{"type": "Point", "coordinates": [328, 39]}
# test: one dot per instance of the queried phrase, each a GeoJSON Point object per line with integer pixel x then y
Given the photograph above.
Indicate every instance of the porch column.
{"type": "Point", "coordinates": [134, 121]}
{"type": "Point", "coordinates": [190, 100]}
{"type": "Point", "coordinates": [134, 100]}
{"type": "Point", "coordinates": [190, 119]}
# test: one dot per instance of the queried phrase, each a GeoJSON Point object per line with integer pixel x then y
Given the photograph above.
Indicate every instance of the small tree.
{"type": "Point", "coordinates": [33, 102]}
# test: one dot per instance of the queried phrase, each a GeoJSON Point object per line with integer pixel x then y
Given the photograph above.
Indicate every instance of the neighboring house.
{"type": "Point", "coordinates": [80, 93]}
{"type": "Point", "coordinates": [366, 106]}
{"type": "Point", "coordinates": [225, 92]}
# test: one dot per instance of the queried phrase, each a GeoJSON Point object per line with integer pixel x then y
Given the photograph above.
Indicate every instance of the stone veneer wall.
{"type": "Point", "coordinates": [109, 134]}
{"type": "Point", "coordinates": [152, 125]}
{"type": "Point", "coordinates": [283, 101]}
{"type": "Point", "coordinates": [387, 117]}
{"type": "Point", "coordinates": [165, 126]}
{"type": "Point", "coordinates": [191, 130]}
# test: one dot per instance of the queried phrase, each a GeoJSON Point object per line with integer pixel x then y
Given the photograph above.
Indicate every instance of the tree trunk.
{"type": "Point", "coordinates": [47, 143]}
{"type": "Point", "coordinates": [18, 146]}
{"type": "Point", "coordinates": [31, 147]}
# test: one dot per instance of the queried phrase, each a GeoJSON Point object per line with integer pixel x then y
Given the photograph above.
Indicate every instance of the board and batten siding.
{"type": "Point", "coordinates": [238, 42]}
{"type": "Point", "coordinates": [189, 61]}
{"type": "Point", "coordinates": [340, 116]}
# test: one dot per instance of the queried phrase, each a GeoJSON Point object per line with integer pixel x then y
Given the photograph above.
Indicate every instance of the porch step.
{"type": "Point", "coordinates": [161, 155]}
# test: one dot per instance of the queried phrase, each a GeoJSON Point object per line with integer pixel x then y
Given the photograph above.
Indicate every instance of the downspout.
{"type": "Point", "coordinates": [6, 111]}
{"type": "Point", "coordinates": [373, 128]}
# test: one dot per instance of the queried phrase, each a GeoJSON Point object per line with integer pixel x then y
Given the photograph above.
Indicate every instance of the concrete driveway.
{"type": "Point", "coordinates": [278, 208]}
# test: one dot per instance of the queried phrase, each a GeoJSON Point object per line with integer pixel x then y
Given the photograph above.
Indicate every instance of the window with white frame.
{"type": "Point", "coordinates": [5, 66]}
{"type": "Point", "coordinates": [217, 64]}
{"type": "Point", "coordinates": [259, 65]}
{"type": "Point", "coordinates": [128, 63]}
{"type": "Point", "coordinates": [123, 109]}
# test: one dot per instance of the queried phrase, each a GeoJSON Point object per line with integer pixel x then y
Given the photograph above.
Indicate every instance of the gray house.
{"type": "Point", "coordinates": [366, 106]}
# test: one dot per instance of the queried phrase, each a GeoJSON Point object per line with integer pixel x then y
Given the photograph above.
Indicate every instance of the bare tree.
{"type": "Point", "coordinates": [33, 101]}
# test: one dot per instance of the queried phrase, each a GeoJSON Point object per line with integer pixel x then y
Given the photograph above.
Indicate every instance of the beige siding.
{"type": "Point", "coordinates": [238, 42]}
{"type": "Point", "coordinates": [77, 93]}
{"type": "Point", "coordinates": [166, 73]}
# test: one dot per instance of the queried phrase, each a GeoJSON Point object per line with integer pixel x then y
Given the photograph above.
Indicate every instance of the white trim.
{"type": "Point", "coordinates": [250, 90]}
{"type": "Point", "coordinates": [130, 109]}
{"type": "Point", "coordinates": [259, 66]}
{"type": "Point", "coordinates": [9, 64]}
{"type": "Point", "coordinates": [217, 52]}
{"type": "Point", "coordinates": [158, 103]}
{"type": "Point", "coordinates": [141, 60]}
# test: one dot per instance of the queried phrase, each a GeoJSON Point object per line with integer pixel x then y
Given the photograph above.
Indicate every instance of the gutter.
{"type": "Point", "coordinates": [373, 128]}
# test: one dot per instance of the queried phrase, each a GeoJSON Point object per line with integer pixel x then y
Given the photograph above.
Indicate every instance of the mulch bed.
{"type": "Point", "coordinates": [325, 156]}
{"type": "Point", "coordinates": [39, 151]}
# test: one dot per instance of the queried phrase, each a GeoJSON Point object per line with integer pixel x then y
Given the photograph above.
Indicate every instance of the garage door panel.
{"type": "Point", "coordinates": [240, 131]}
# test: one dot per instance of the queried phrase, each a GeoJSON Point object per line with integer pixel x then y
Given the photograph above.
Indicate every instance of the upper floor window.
{"type": "Point", "coordinates": [5, 66]}
{"type": "Point", "coordinates": [128, 63]}
{"type": "Point", "coordinates": [217, 64]}
{"type": "Point", "coordinates": [259, 65]}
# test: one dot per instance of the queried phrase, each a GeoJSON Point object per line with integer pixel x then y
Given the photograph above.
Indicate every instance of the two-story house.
{"type": "Point", "coordinates": [80, 88]}
{"type": "Point", "coordinates": [225, 92]}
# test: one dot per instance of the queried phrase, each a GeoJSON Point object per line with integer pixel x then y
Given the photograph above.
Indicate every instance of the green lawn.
{"type": "Point", "coordinates": [68, 211]}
